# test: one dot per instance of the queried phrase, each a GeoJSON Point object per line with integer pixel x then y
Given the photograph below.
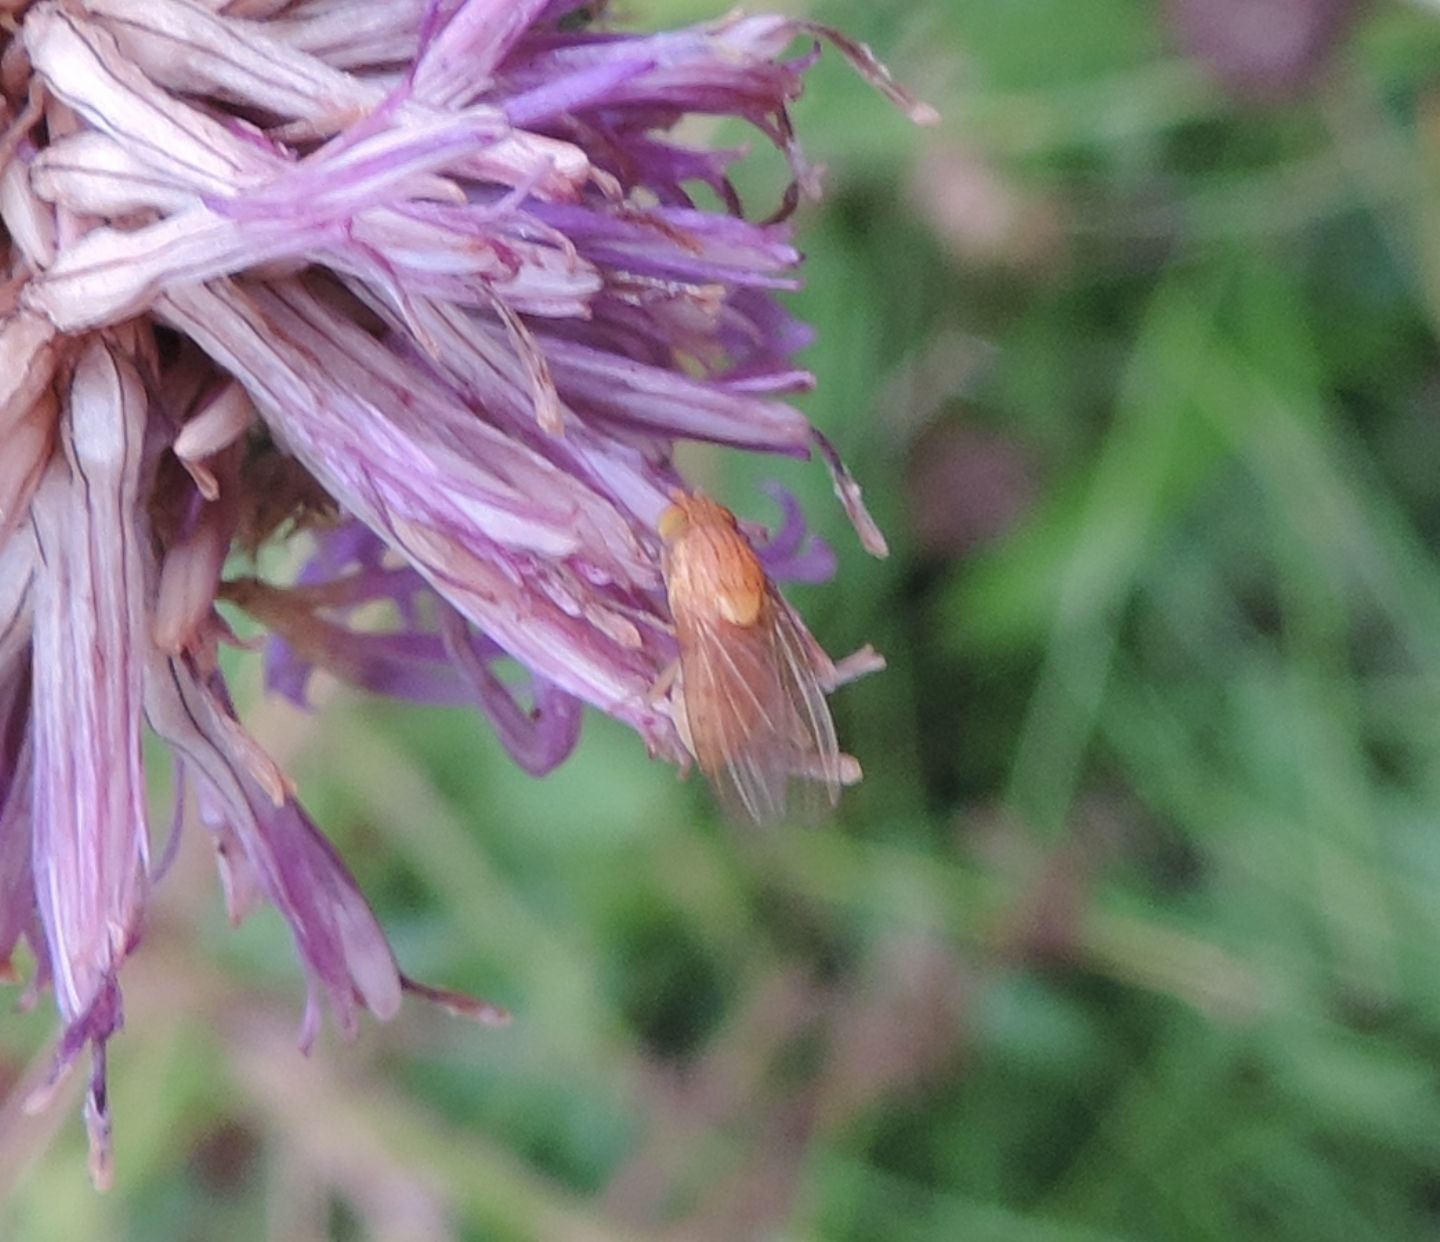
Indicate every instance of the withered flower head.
{"type": "Point", "coordinates": [428, 280]}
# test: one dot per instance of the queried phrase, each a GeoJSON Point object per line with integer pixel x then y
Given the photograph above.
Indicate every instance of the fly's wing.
{"type": "Point", "coordinates": [734, 714]}
{"type": "Point", "coordinates": [815, 751]}
{"type": "Point", "coordinates": [757, 715]}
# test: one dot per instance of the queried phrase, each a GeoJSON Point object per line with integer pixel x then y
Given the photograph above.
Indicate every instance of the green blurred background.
{"type": "Point", "coordinates": [1133, 930]}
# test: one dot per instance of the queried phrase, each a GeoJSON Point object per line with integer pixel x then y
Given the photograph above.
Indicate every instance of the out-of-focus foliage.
{"type": "Point", "coordinates": [1133, 930]}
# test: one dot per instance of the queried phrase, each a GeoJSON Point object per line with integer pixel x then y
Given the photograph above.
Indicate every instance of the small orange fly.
{"type": "Point", "coordinates": [752, 681]}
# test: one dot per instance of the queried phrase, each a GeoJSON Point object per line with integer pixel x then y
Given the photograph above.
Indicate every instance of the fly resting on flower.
{"type": "Point", "coordinates": [752, 681]}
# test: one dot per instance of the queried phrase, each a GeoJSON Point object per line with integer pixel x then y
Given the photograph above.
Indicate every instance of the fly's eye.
{"type": "Point", "coordinates": [672, 524]}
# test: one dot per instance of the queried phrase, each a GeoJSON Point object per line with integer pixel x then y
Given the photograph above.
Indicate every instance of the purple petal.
{"type": "Point", "coordinates": [90, 843]}
{"type": "Point", "coordinates": [90, 799]}
{"type": "Point", "coordinates": [792, 553]}
{"type": "Point", "coordinates": [339, 941]}
{"type": "Point", "coordinates": [538, 739]}
{"type": "Point", "coordinates": [19, 915]}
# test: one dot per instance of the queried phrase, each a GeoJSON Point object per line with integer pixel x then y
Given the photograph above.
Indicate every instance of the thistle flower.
{"type": "Point", "coordinates": [425, 280]}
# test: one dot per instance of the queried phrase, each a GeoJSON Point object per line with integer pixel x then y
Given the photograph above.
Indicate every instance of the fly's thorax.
{"type": "Point", "coordinates": [713, 572]}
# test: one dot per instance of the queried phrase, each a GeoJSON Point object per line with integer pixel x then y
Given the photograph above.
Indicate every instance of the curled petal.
{"type": "Point", "coordinates": [538, 739]}
{"type": "Point", "coordinates": [219, 424]}
{"type": "Point", "coordinates": [407, 664]}
{"type": "Point", "coordinates": [792, 553]}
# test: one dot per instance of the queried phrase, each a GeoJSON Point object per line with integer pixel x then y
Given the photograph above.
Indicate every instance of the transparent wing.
{"type": "Point", "coordinates": [757, 715]}
{"type": "Point", "coordinates": [815, 754]}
